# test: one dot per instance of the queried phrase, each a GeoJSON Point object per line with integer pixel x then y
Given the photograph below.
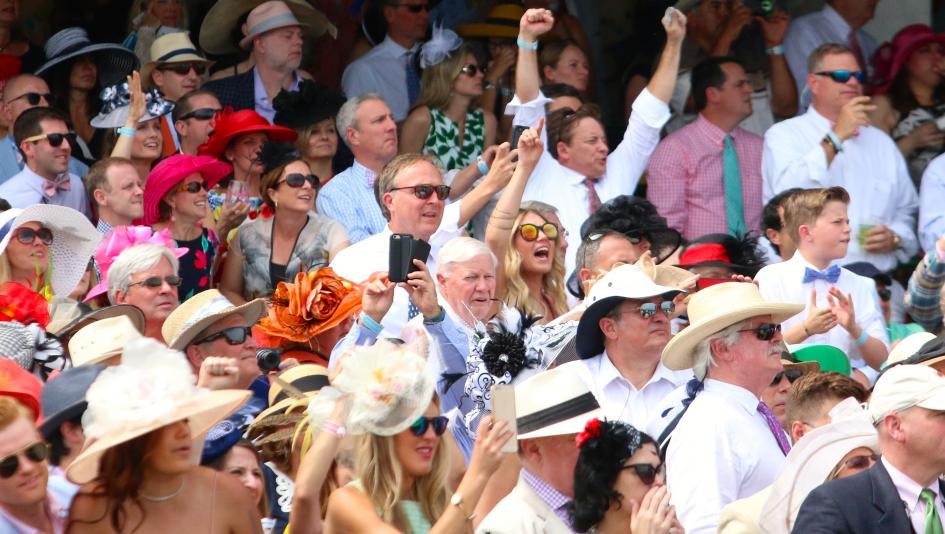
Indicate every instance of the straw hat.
{"type": "Point", "coordinates": [502, 21]}
{"type": "Point", "coordinates": [908, 347]}
{"type": "Point", "coordinates": [231, 124]}
{"type": "Point", "coordinates": [67, 315]}
{"type": "Point", "coordinates": [152, 388]}
{"type": "Point", "coordinates": [306, 379]}
{"type": "Point", "coordinates": [101, 340]}
{"type": "Point", "coordinates": [74, 241]}
{"type": "Point", "coordinates": [554, 403]}
{"type": "Point", "coordinates": [197, 313]}
{"type": "Point", "coordinates": [217, 27]}
{"type": "Point", "coordinates": [114, 61]}
{"type": "Point", "coordinates": [715, 308]}
{"type": "Point", "coordinates": [174, 47]}
{"type": "Point", "coordinates": [172, 171]}
{"type": "Point", "coordinates": [63, 397]}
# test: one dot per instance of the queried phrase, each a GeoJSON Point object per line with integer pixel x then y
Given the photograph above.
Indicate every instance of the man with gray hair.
{"type": "Point", "coordinates": [726, 444]}
{"type": "Point", "coordinates": [146, 276]}
{"type": "Point", "coordinates": [367, 126]}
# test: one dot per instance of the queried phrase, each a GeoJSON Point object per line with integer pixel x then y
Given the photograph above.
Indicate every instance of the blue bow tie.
{"type": "Point", "coordinates": [831, 275]}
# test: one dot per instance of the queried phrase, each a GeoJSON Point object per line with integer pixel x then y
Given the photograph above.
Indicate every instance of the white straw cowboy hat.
{"type": "Point", "coordinates": [151, 388]}
{"type": "Point", "coordinates": [218, 26]}
{"type": "Point", "coordinates": [195, 314]}
{"type": "Point", "coordinates": [554, 403]}
{"type": "Point", "coordinates": [101, 340]}
{"type": "Point", "coordinates": [174, 47]}
{"type": "Point", "coordinates": [715, 308]}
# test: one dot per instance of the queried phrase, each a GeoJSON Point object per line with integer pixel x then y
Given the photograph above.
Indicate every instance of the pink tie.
{"type": "Point", "coordinates": [855, 48]}
{"type": "Point", "coordinates": [593, 201]}
{"type": "Point", "coordinates": [775, 427]}
{"type": "Point", "coordinates": [61, 183]}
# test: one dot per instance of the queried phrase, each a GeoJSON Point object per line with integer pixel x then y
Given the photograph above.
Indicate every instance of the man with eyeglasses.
{"type": "Point", "coordinates": [194, 119]}
{"type": "Point", "coordinates": [21, 93]}
{"type": "Point", "coordinates": [389, 68]}
{"type": "Point", "coordinates": [146, 276]}
{"type": "Point", "coordinates": [833, 144]}
{"type": "Point", "coordinates": [43, 137]}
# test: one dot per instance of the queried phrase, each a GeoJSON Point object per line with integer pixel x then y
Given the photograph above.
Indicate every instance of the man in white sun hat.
{"type": "Point", "coordinates": [727, 445]}
{"type": "Point", "coordinates": [551, 409]}
{"type": "Point", "coordinates": [902, 492]}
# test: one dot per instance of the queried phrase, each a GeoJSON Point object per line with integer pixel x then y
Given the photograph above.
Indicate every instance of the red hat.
{"type": "Point", "coordinates": [891, 56]}
{"type": "Point", "coordinates": [173, 171]}
{"type": "Point", "coordinates": [21, 385]}
{"type": "Point", "coordinates": [229, 124]}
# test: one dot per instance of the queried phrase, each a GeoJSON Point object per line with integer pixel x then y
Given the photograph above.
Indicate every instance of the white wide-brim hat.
{"type": "Point", "coordinates": [554, 403]}
{"type": "Point", "coordinates": [74, 241]}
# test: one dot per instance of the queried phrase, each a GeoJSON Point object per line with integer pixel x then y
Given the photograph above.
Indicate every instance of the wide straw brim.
{"type": "Point", "coordinates": [133, 312]}
{"type": "Point", "coordinates": [252, 311]}
{"type": "Point", "coordinates": [201, 413]}
{"type": "Point", "coordinates": [218, 25]}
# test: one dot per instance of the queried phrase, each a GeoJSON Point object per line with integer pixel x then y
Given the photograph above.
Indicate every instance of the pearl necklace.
{"type": "Point", "coordinates": [164, 498]}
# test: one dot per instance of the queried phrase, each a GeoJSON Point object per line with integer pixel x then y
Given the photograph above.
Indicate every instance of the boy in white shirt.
{"type": "Point", "coordinates": [842, 307]}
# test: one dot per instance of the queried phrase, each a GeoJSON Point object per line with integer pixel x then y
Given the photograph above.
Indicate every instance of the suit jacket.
{"type": "Point", "coordinates": [522, 512]}
{"type": "Point", "coordinates": [862, 504]}
{"type": "Point", "coordinates": [742, 516]}
{"type": "Point", "coordinates": [236, 91]}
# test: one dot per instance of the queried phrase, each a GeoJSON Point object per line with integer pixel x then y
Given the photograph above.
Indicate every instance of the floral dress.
{"type": "Point", "coordinates": [196, 265]}
{"type": "Point", "coordinates": [443, 141]}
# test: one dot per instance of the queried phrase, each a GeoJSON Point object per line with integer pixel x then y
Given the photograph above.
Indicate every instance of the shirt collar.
{"type": "Point", "coordinates": [389, 44]}
{"type": "Point", "coordinates": [572, 176]}
{"type": "Point", "coordinates": [819, 120]}
{"type": "Point", "coordinates": [103, 227]}
{"type": "Point", "coordinates": [55, 511]}
{"type": "Point", "coordinates": [744, 398]}
{"type": "Point", "coordinates": [260, 91]}
{"type": "Point", "coordinates": [34, 180]}
{"type": "Point", "coordinates": [552, 497]}
{"type": "Point", "coordinates": [715, 134]}
{"type": "Point", "coordinates": [607, 373]}
{"type": "Point", "coordinates": [800, 262]}
{"type": "Point", "coordinates": [907, 488]}
{"type": "Point", "coordinates": [366, 175]}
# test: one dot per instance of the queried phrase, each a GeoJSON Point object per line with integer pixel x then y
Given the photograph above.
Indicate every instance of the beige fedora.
{"type": "Point", "coordinates": [101, 340]}
{"type": "Point", "coordinates": [174, 47]}
{"type": "Point", "coordinates": [716, 308]}
{"type": "Point", "coordinates": [224, 15]}
{"type": "Point", "coordinates": [553, 403]}
{"type": "Point", "coordinates": [202, 310]}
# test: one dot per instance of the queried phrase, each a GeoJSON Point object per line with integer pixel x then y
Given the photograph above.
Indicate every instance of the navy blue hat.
{"type": "Point", "coordinates": [63, 397]}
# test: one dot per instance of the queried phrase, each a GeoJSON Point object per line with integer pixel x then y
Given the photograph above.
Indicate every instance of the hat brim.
{"type": "Point", "coordinates": [487, 30]}
{"type": "Point", "coordinates": [51, 423]}
{"type": "Point", "coordinates": [903, 56]}
{"type": "Point", "coordinates": [573, 425]}
{"type": "Point", "coordinates": [123, 61]}
{"type": "Point", "coordinates": [133, 313]}
{"type": "Point", "coordinates": [148, 67]}
{"type": "Point", "coordinates": [936, 402]}
{"type": "Point", "coordinates": [590, 340]}
{"type": "Point", "coordinates": [201, 412]}
{"type": "Point", "coordinates": [677, 355]}
{"type": "Point", "coordinates": [218, 25]}
{"type": "Point", "coordinates": [252, 311]}
{"type": "Point", "coordinates": [803, 367]}
{"type": "Point", "coordinates": [96, 358]}
{"type": "Point", "coordinates": [211, 172]}
{"type": "Point", "coordinates": [216, 145]}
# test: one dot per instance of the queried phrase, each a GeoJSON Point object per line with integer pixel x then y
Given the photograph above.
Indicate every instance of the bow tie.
{"type": "Point", "coordinates": [61, 183]}
{"type": "Point", "coordinates": [831, 275]}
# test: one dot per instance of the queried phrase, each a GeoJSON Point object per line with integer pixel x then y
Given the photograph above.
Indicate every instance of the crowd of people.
{"type": "Point", "coordinates": [432, 295]}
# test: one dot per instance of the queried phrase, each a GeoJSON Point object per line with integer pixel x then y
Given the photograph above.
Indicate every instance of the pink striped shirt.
{"type": "Point", "coordinates": [685, 182]}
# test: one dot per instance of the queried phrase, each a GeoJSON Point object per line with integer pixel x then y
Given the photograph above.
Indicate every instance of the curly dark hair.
{"type": "Point", "coordinates": [599, 463]}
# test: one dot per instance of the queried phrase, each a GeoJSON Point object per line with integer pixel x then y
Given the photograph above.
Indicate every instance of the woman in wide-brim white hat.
{"type": "Point", "coordinates": [46, 246]}
{"type": "Point", "coordinates": [140, 457]}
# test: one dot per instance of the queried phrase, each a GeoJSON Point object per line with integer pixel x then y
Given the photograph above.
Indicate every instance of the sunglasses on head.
{"type": "Point", "coordinates": [34, 452]}
{"type": "Point", "coordinates": [203, 114]}
{"type": "Point", "coordinates": [54, 139]}
{"type": "Point", "coordinates": [235, 335]}
{"type": "Point", "coordinates": [155, 282]}
{"type": "Point", "coordinates": [182, 69]}
{"type": "Point", "coordinates": [424, 191]}
{"type": "Point", "coordinates": [27, 236]}
{"type": "Point", "coordinates": [298, 180]}
{"type": "Point", "coordinates": [419, 427]}
{"type": "Point", "coordinates": [529, 232]}
{"type": "Point", "coordinates": [792, 375]}
{"type": "Point", "coordinates": [843, 76]}
{"type": "Point", "coordinates": [471, 70]}
{"type": "Point", "coordinates": [645, 472]}
{"type": "Point", "coordinates": [415, 8]}
{"type": "Point", "coordinates": [764, 331]}
{"type": "Point", "coordinates": [34, 99]}
{"type": "Point", "coordinates": [193, 187]}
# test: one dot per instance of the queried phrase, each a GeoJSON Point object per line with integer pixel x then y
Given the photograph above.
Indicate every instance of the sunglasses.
{"type": "Point", "coordinates": [55, 139]}
{"type": "Point", "coordinates": [424, 191]}
{"type": "Point", "coordinates": [645, 472]}
{"type": "Point", "coordinates": [648, 310]}
{"type": "Point", "coordinates": [34, 98]}
{"type": "Point", "coordinates": [235, 335]}
{"type": "Point", "coordinates": [155, 282]}
{"type": "Point", "coordinates": [764, 331]}
{"type": "Point", "coordinates": [791, 375]}
{"type": "Point", "coordinates": [203, 114]}
{"type": "Point", "coordinates": [471, 70]}
{"type": "Point", "coordinates": [35, 452]}
{"type": "Point", "coordinates": [27, 236]}
{"type": "Point", "coordinates": [419, 427]}
{"type": "Point", "coordinates": [182, 69]}
{"type": "Point", "coordinates": [414, 8]}
{"type": "Point", "coordinates": [843, 76]}
{"type": "Point", "coordinates": [862, 461]}
{"type": "Point", "coordinates": [529, 232]}
{"type": "Point", "coordinates": [297, 180]}
{"type": "Point", "coordinates": [193, 187]}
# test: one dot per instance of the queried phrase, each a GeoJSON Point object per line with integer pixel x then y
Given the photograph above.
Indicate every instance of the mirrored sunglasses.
{"type": "Point", "coordinates": [862, 461]}
{"type": "Point", "coordinates": [419, 427]}
{"type": "Point", "coordinates": [27, 235]}
{"type": "Point", "coordinates": [35, 452]}
{"type": "Point", "coordinates": [471, 70]}
{"type": "Point", "coordinates": [425, 191]}
{"type": "Point", "coordinates": [154, 282]}
{"type": "Point", "coordinates": [843, 76]}
{"type": "Point", "coordinates": [648, 310]}
{"type": "Point", "coordinates": [529, 232]}
{"type": "Point", "coordinates": [235, 335]}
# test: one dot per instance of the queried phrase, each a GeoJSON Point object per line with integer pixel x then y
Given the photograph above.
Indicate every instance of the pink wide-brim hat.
{"type": "Point", "coordinates": [174, 170]}
{"type": "Point", "coordinates": [891, 56]}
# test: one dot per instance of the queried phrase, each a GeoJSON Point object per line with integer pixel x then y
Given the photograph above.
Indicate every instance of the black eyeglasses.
{"type": "Point", "coordinates": [764, 331]}
{"type": "Point", "coordinates": [27, 235]}
{"type": "Point", "coordinates": [34, 452]}
{"type": "Point", "coordinates": [202, 114]}
{"type": "Point", "coordinates": [645, 472]}
{"type": "Point", "coordinates": [529, 232]}
{"type": "Point", "coordinates": [843, 76]}
{"type": "Point", "coordinates": [791, 374]}
{"type": "Point", "coordinates": [419, 427]}
{"type": "Point", "coordinates": [471, 70]}
{"type": "Point", "coordinates": [34, 98]}
{"type": "Point", "coordinates": [424, 191]}
{"type": "Point", "coordinates": [54, 139]}
{"type": "Point", "coordinates": [414, 8]}
{"type": "Point", "coordinates": [193, 187]}
{"type": "Point", "coordinates": [235, 335]}
{"type": "Point", "coordinates": [182, 69]}
{"type": "Point", "coordinates": [154, 282]}
{"type": "Point", "coordinates": [298, 180]}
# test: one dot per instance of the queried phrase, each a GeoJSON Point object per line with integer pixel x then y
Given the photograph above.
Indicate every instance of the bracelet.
{"type": "Point", "coordinates": [125, 131]}
{"type": "Point", "coordinates": [488, 86]}
{"type": "Point", "coordinates": [526, 45]}
{"type": "Point", "coordinates": [457, 501]}
{"type": "Point", "coordinates": [481, 163]}
{"type": "Point", "coordinates": [438, 318]}
{"type": "Point", "coordinates": [371, 324]}
{"type": "Point", "coordinates": [860, 341]}
{"type": "Point", "coordinates": [835, 141]}
{"type": "Point", "coordinates": [777, 50]}
{"type": "Point", "coordinates": [333, 428]}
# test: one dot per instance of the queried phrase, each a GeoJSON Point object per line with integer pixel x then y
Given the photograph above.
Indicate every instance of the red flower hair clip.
{"type": "Point", "coordinates": [591, 431]}
{"type": "Point", "coordinates": [23, 305]}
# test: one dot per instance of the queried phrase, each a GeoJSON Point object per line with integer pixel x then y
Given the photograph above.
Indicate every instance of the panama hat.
{"type": "Point", "coordinates": [172, 171]}
{"type": "Point", "coordinates": [101, 340]}
{"type": "Point", "coordinates": [197, 313]}
{"type": "Point", "coordinates": [217, 28]}
{"type": "Point", "coordinates": [151, 388]}
{"type": "Point", "coordinates": [114, 62]}
{"type": "Point", "coordinates": [293, 389]}
{"type": "Point", "coordinates": [174, 47]}
{"type": "Point", "coordinates": [63, 397]}
{"type": "Point", "coordinates": [502, 21]}
{"type": "Point", "coordinates": [716, 308]}
{"type": "Point", "coordinates": [908, 347]}
{"type": "Point", "coordinates": [554, 403]}
{"type": "Point", "coordinates": [74, 241]}
{"type": "Point", "coordinates": [69, 315]}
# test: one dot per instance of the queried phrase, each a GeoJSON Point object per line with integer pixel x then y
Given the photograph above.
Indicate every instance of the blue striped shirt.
{"type": "Point", "coordinates": [349, 199]}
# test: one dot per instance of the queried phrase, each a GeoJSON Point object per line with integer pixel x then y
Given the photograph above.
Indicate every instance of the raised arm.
{"type": "Point", "coordinates": [498, 177]}
{"type": "Point", "coordinates": [664, 79]}
{"type": "Point", "coordinates": [534, 23]}
{"type": "Point", "coordinates": [136, 109]}
{"type": "Point", "coordinates": [783, 89]}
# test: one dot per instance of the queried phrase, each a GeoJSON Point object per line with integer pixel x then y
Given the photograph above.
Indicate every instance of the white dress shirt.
{"type": "Point", "coordinates": [783, 282]}
{"type": "Point", "coordinates": [722, 450]}
{"type": "Point", "coordinates": [870, 168]}
{"type": "Point", "coordinates": [383, 69]}
{"type": "Point", "coordinates": [909, 490]}
{"type": "Point", "coordinates": [564, 188]}
{"type": "Point", "coordinates": [931, 207]}
{"type": "Point", "coordinates": [619, 398]}
{"type": "Point", "coordinates": [26, 189]}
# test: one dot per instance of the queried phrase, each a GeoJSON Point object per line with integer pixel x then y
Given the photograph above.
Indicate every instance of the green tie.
{"type": "Point", "coordinates": [933, 523]}
{"type": "Point", "coordinates": [734, 212]}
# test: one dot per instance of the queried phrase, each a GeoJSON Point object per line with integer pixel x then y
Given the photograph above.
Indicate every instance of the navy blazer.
{"type": "Point", "coordinates": [862, 504]}
{"type": "Point", "coordinates": [237, 91]}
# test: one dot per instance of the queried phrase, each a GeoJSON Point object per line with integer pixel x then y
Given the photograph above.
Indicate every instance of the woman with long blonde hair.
{"type": "Point", "coordinates": [534, 262]}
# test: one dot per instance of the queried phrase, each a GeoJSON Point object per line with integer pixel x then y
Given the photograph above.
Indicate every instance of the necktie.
{"type": "Point", "coordinates": [856, 49]}
{"type": "Point", "coordinates": [775, 427]}
{"type": "Point", "coordinates": [61, 183]}
{"type": "Point", "coordinates": [413, 79]}
{"type": "Point", "coordinates": [933, 523]}
{"type": "Point", "coordinates": [732, 180]}
{"type": "Point", "coordinates": [831, 275]}
{"type": "Point", "coordinates": [593, 201]}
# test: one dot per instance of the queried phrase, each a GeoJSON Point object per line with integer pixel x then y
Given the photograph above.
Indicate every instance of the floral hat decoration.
{"type": "Point", "coordinates": [24, 315]}
{"type": "Point", "coordinates": [443, 42]}
{"type": "Point", "coordinates": [116, 102]}
{"type": "Point", "coordinates": [117, 240]}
